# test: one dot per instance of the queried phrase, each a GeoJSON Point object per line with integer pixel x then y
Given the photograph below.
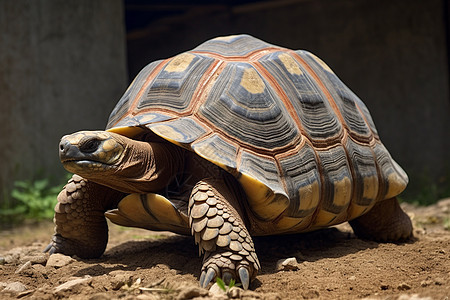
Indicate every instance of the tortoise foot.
{"type": "Point", "coordinates": [220, 233]}
{"type": "Point", "coordinates": [81, 227]}
{"type": "Point", "coordinates": [59, 244]}
{"type": "Point", "coordinates": [385, 222]}
{"type": "Point", "coordinates": [228, 265]}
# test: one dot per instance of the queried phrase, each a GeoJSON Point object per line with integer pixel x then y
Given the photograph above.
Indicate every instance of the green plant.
{"type": "Point", "coordinates": [222, 285]}
{"type": "Point", "coordinates": [447, 223]}
{"type": "Point", "coordinates": [36, 199]}
{"type": "Point", "coordinates": [33, 200]}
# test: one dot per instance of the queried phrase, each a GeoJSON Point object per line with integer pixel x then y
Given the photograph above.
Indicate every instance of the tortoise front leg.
{"type": "Point", "coordinates": [81, 227]}
{"type": "Point", "coordinates": [216, 221]}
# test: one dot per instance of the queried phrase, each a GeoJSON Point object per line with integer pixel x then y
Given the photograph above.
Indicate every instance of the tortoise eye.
{"type": "Point", "coordinates": [90, 145]}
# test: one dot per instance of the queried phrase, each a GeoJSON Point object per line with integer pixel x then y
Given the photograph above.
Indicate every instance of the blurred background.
{"type": "Point", "coordinates": [65, 64]}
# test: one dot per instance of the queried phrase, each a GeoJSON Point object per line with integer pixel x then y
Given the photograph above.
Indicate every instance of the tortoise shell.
{"type": "Point", "coordinates": [302, 145]}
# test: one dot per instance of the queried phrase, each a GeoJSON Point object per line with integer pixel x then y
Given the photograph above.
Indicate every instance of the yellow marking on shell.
{"type": "Point", "coordinates": [285, 224]}
{"type": "Point", "coordinates": [263, 202]}
{"type": "Point", "coordinates": [322, 63]}
{"type": "Point", "coordinates": [396, 185]}
{"type": "Point", "coordinates": [356, 210]}
{"type": "Point", "coordinates": [324, 218]}
{"type": "Point", "coordinates": [290, 64]}
{"type": "Point", "coordinates": [370, 184]}
{"type": "Point", "coordinates": [224, 38]}
{"type": "Point", "coordinates": [342, 192]}
{"type": "Point", "coordinates": [309, 196]}
{"type": "Point", "coordinates": [109, 145]}
{"type": "Point", "coordinates": [207, 152]}
{"type": "Point", "coordinates": [147, 118]}
{"type": "Point", "coordinates": [252, 82]}
{"type": "Point", "coordinates": [128, 131]}
{"type": "Point", "coordinates": [168, 133]}
{"type": "Point", "coordinates": [179, 63]}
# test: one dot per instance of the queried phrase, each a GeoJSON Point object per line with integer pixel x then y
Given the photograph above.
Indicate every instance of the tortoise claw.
{"type": "Point", "coordinates": [244, 275]}
{"type": "Point", "coordinates": [54, 245]}
{"type": "Point", "coordinates": [208, 277]}
{"type": "Point", "coordinates": [202, 278]}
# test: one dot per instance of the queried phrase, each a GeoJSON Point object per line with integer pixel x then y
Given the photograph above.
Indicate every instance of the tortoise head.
{"type": "Point", "coordinates": [109, 159]}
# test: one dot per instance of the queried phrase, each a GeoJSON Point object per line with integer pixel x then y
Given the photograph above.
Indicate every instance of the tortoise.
{"type": "Point", "coordinates": [233, 139]}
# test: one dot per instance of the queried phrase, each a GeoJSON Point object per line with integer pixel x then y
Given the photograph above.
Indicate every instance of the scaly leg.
{"type": "Point", "coordinates": [386, 221]}
{"type": "Point", "coordinates": [216, 221]}
{"type": "Point", "coordinates": [81, 227]}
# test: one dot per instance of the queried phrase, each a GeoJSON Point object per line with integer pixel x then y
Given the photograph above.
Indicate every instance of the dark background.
{"type": "Point", "coordinates": [64, 65]}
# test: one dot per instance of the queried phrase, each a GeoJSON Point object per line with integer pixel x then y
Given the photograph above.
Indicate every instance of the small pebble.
{"type": "Point", "coordinates": [71, 284]}
{"type": "Point", "coordinates": [310, 294]}
{"type": "Point", "coordinates": [39, 258]}
{"type": "Point", "coordinates": [2, 260]}
{"type": "Point", "coordinates": [287, 264]}
{"type": "Point", "coordinates": [23, 267]}
{"type": "Point", "coordinates": [439, 281]}
{"type": "Point", "coordinates": [426, 283]}
{"type": "Point", "coordinates": [216, 291]}
{"type": "Point", "coordinates": [15, 287]}
{"type": "Point", "coordinates": [58, 260]}
{"type": "Point", "coordinates": [403, 286]}
{"type": "Point", "coordinates": [191, 292]}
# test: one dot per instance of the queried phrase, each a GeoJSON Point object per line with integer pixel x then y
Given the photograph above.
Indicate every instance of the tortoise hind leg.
{"type": "Point", "coordinates": [217, 224]}
{"type": "Point", "coordinates": [386, 221]}
{"type": "Point", "coordinates": [81, 227]}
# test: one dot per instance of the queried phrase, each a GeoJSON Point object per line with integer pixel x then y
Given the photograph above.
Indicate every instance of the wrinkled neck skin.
{"type": "Point", "coordinates": [144, 167]}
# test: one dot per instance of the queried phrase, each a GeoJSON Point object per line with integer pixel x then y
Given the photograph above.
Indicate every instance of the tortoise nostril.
{"type": "Point", "coordinates": [63, 146]}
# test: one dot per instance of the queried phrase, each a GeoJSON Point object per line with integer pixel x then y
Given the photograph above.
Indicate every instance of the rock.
{"type": "Point", "coordinates": [2, 260]}
{"type": "Point", "coordinates": [216, 291]}
{"type": "Point", "coordinates": [58, 260]}
{"type": "Point", "coordinates": [38, 258]}
{"type": "Point", "coordinates": [40, 269]}
{"type": "Point", "coordinates": [15, 287]}
{"type": "Point", "coordinates": [403, 286]}
{"type": "Point", "coordinates": [287, 264]}
{"type": "Point", "coordinates": [120, 278]}
{"type": "Point", "coordinates": [439, 281]}
{"type": "Point", "coordinates": [235, 292]}
{"type": "Point", "coordinates": [310, 294]}
{"type": "Point", "coordinates": [190, 292]}
{"type": "Point", "coordinates": [426, 283]}
{"type": "Point", "coordinates": [71, 284]}
{"type": "Point", "coordinates": [352, 278]}
{"type": "Point", "coordinates": [23, 267]}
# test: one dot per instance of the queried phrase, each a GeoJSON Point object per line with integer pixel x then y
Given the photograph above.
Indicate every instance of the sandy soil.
{"type": "Point", "coordinates": [332, 264]}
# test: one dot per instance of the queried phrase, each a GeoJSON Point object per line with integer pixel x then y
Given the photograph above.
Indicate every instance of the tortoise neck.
{"type": "Point", "coordinates": [146, 167]}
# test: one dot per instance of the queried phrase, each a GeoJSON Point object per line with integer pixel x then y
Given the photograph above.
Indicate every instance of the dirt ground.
{"type": "Point", "coordinates": [139, 264]}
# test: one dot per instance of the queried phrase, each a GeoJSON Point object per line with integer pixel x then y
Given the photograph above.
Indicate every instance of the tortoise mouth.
{"type": "Point", "coordinates": [78, 164]}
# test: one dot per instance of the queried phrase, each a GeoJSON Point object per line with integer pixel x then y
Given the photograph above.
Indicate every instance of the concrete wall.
{"type": "Point", "coordinates": [393, 54]}
{"type": "Point", "coordinates": [62, 69]}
